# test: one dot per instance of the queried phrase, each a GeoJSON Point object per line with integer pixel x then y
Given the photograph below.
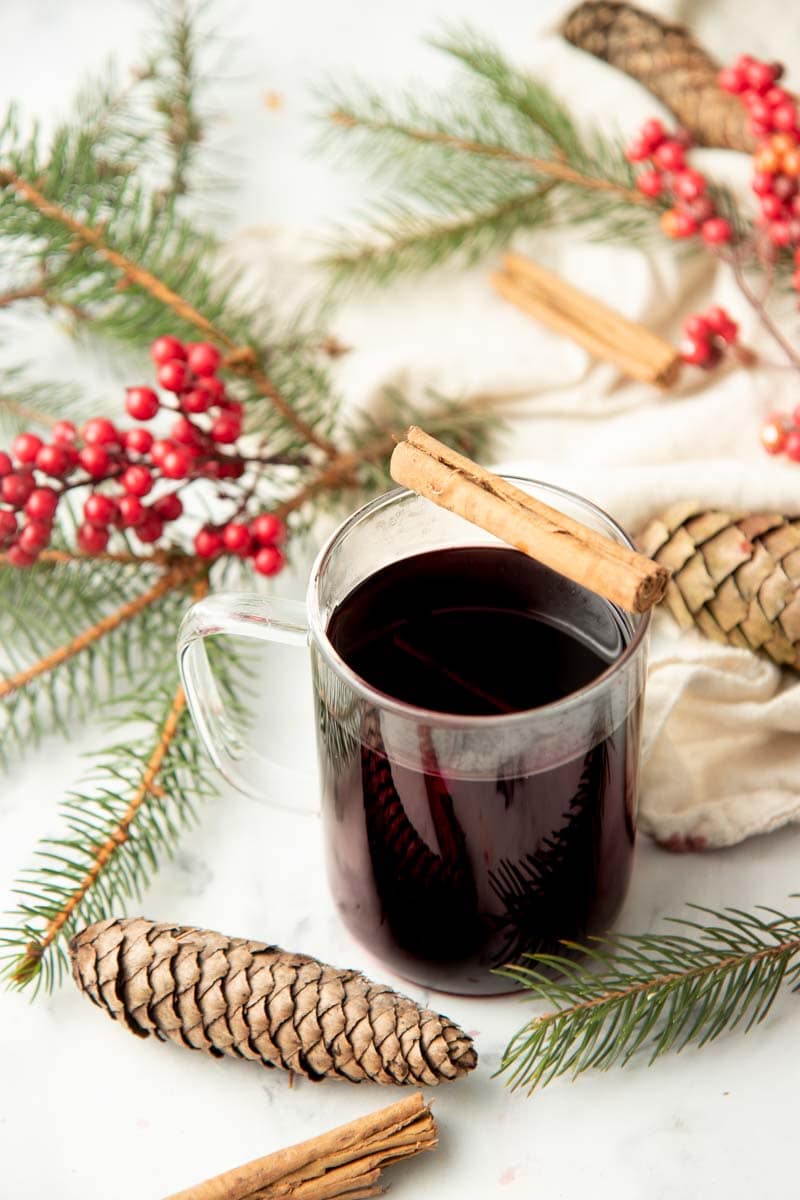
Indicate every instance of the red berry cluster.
{"type": "Point", "coordinates": [707, 335]}
{"type": "Point", "coordinates": [780, 434]}
{"type": "Point", "coordinates": [122, 467]}
{"type": "Point", "coordinates": [668, 175]}
{"type": "Point", "coordinates": [775, 122]}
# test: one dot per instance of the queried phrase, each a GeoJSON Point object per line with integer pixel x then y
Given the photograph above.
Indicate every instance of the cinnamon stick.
{"type": "Point", "coordinates": [601, 330]}
{"type": "Point", "coordinates": [454, 482]}
{"type": "Point", "coordinates": [344, 1162]}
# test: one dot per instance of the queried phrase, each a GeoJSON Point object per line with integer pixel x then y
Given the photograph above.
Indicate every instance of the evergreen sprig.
{"type": "Point", "coordinates": [467, 172]}
{"type": "Point", "coordinates": [658, 992]}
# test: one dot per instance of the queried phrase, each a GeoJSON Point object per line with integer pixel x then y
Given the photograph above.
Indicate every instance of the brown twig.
{"type": "Point", "coordinates": [119, 835]}
{"type": "Point", "coordinates": [160, 557]}
{"type": "Point", "coordinates": [241, 359]}
{"type": "Point", "coordinates": [553, 168]}
{"type": "Point", "coordinates": [27, 412]}
{"type": "Point", "coordinates": [171, 579]}
{"type": "Point", "coordinates": [733, 258]}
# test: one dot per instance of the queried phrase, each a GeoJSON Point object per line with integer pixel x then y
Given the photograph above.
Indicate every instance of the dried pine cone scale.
{"type": "Point", "coordinates": [736, 577]}
{"type": "Point", "coordinates": [232, 996]}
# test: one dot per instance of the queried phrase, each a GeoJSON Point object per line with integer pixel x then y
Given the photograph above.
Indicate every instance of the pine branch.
{"type": "Point", "coordinates": [474, 162]}
{"type": "Point", "coordinates": [130, 815]}
{"type": "Point", "coordinates": [25, 402]}
{"type": "Point", "coordinates": [241, 359]}
{"type": "Point", "coordinates": [662, 991]}
{"type": "Point", "coordinates": [169, 580]}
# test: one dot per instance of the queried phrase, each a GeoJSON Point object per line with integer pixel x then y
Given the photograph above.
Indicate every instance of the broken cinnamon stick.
{"type": "Point", "coordinates": [601, 330]}
{"type": "Point", "coordinates": [344, 1162]}
{"type": "Point", "coordinates": [454, 482]}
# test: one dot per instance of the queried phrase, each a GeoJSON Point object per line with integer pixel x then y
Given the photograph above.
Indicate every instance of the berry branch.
{"type": "Point", "coordinates": [241, 359]}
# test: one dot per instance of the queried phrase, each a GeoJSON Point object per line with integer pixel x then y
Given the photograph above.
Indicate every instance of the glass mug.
{"type": "Point", "coordinates": [454, 844]}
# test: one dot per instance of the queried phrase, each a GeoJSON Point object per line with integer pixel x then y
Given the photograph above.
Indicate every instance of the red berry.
{"type": "Point", "coordinates": [760, 111]}
{"type": "Point", "coordinates": [761, 183]}
{"type": "Point", "coordinates": [203, 358]}
{"type": "Point", "coordinates": [25, 447]}
{"type": "Point", "coordinates": [236, 538]}
{"type": "Point", "coordinates": [19, 557]}
{"type": "Point", "coordinates": [174, 375]}
{"type": "Point", "coordinates": [226, 428]}
{"type": "Point", "coordinates": [166, 348]}
{"type": "Point", "coordinates": [759, 76]}
{"type": "Point", "coordinates": [184, 432]}
{"type": "Point", "coordinates": [775, 95]}
{"type": "Point", "coordinates": [92, 539]}
{"type": "Point", "coordinates": [784, 116]}
{"type": "Point", "coordinates": [716, 231]}
{"type": "Point", "coordinates": [99, 509]}
{"type": "Point", "coordinates": [696, 326]}
{"type": "Point", "coordinates": [41, 504]}
{"type": "Point", "coordinates": [652, 132]}
{"type": "Point", "coordinates": [268, 560]}
{"type": "Point", "coordinates": [207, 542]}
{"type": "Point", "coordinates": [137, 480]}
{"type": "Point", "coordinates": [650, 183]}
{"type": "Point", "coordinates": [176, 463]}
{"type": "Point", "coordinates": [195, 401]}
{"type": "Point", "coordinates": [168, 507]}
{"type": "Point", "coordinates": [213, 388]}
{"type": "Point", "coordinates": [99, 432]}
{"type": "Point", "coordinates": [233, 408]}
{"type": "Point", "coordinates": [773, 435]}
{"type": "Point", "coordinates": [688, 184]}
{"type": "Point", "coordinates": [5, 464]}
{"type": "Point", "coordinates": [678, 224]}
{"type": "Point", "coordinates": [160, 449]}
{"type": "Point", "coordinates": [670, 155]}
{"type": "Point", "coordinates": [34, 536]}
{"type": "Point", "coordinates": [131, 510]}
{"type": "Point", "coordinates": [268, 529]}
{"type": "Point", "coordinates": [731, 80]}
{"type": "Point", "coordinates": [8, 524]}
{"type": "Point", "coordinates": [16, 488]}
{"type": "Point", "coordinates": [696, 351]}
{"type": "Point", "coordinates": [95, 461]}
{"type": "Point", "coordinates": [53, 460]}
{"type": "Point", "coordinates": [137, 441]}
{"type": "Point", "coordinates": [64, 432]}
{"type": "Point", "coordinates": [784, 187]}
{"type": "Point", "coordinates": [779, 233]}
{"type": "Point", "coordinates": [792, 445]}
{"type": "Point", "coordinates": [720, 322]}
{"type": "Point", "coordinates": [151, 528]}
{"type": "Point", "coordinates": [142, 403]}
{"type": "Point", "coordinates": [229, 468]}
{"type": "Point", "coordinates": [699, 210]}
{"type": "Point", "coordinates": [637, 150]}
{"type": "Point", "coordinates": [771, 206]}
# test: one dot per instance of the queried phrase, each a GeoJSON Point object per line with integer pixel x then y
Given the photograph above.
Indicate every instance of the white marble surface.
{"type": "Point", "coordinates": [85, 1109]}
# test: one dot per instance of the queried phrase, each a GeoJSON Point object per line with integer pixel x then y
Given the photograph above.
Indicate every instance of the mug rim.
{"type": "Point", "coordinates": [431, 716]}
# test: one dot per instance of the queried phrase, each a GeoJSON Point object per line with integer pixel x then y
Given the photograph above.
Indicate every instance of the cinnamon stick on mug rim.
{"type": "Point", "coordinates": [619, 574]}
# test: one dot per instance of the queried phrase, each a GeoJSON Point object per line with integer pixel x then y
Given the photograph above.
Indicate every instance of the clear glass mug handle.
{"type": "Point", "coordinates": [242, 615]}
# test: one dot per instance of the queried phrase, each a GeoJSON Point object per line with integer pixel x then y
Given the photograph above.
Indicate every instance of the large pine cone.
{"type": "Point", "coordinates": [233, 996]}
{"type": "Point", "coordinates": [737, 578]}
{"type": "Point", "coordinates": [668, 61]}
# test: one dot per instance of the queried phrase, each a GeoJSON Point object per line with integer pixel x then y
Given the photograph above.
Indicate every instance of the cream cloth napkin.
{"type": "Point", "coordinates": [720, 757]}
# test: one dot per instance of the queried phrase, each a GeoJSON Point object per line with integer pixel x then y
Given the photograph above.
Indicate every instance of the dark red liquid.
{"type": "Point", "coordinates": [448, 855]}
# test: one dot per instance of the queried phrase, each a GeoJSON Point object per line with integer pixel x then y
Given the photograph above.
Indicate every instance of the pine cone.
{"type": "Point", "coordinates": [234, 996]}
{"type": "Point", "coordinates": [737, 578]}
{"type": "Point", "coordinates": [669, 62]}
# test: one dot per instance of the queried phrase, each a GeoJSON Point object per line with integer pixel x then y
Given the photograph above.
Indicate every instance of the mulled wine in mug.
{"type": "Point", "coordinates": [478, 721]}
